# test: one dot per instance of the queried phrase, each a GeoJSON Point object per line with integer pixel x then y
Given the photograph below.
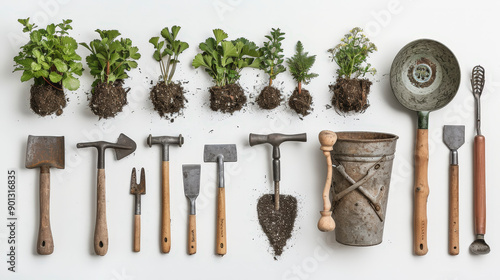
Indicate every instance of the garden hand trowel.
{"type": "Point", "coordinates": [191, 177]}
{"type": "Point", "coordinates": [453, 137]}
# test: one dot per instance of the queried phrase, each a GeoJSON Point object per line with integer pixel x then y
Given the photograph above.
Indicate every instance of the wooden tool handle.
{"type": "Point", "coordinates": [165, 206]}
{"type": "Point", "coordinates": [221, 222]}
{"type": "Point", "coordinates": [137, 233]}
{"type": "Point", "coordinates": [192, 235]}
{"type": "Point", "coordinates": [101, 228]}
{"type": "Point", "coordinates": [327, 139]}
{"type": "Point", "coordinates": [479, 185]}
{"type": "Point", "coordinates": [421, 194]}
{"type": "Point", "coordinates": [45, 244]}
{"type": "Point", "coordinates": [453, 226]}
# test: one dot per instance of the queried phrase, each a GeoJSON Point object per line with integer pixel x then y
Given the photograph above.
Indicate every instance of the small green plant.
{"type": "Point", "coordinates": [168, 49]}
{"type": "Point", "coordinates": [300, 64]}
{"type": "Point", "coordinates": [50, 56]}
{"type": "Point", "coordinates": [110, 59]}
{"type": "Point", "coordinates": [223, 60]}
{"type": "Point", "coordinates": [272, 55]}
{"type": "Point", "coordinates": [351, 54]}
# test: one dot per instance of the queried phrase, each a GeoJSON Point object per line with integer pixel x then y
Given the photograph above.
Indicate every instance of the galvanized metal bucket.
{"type": "Point", "coordinates": [360, 185]}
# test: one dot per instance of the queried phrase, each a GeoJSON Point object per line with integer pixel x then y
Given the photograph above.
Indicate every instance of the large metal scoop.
{"type": "Point", "coordinates": [45, 152]}
{"type": "Point", "coordinates": [454, 138]}
{"type": "Point", "coordinates": [220, 154]}
{"type": "Point", "coordinates": [425, 76]}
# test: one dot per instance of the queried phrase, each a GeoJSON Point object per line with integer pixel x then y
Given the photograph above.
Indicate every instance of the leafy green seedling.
{"type": "Point", "coordinates": [351, 54]}
{"type": "Point", "coordinates": [50, 56]}
{"type": "Point", "coordinates": [110, 58]}
{"type": "Point", "coordinates": [300, 64]}
{"type": "Point", "coordinates": [223, 60]}
{"type": "Point", "coordinates": [168, 50]}
{"type": "Point", "coordinates": [272, 55]}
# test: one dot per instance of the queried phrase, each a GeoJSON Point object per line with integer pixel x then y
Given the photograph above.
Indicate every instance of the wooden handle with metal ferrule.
{"type": "Point", "coordinates": [479, 185]}
{"type": "Point", "coordinates": [192, 235]}
{"type": "Point", "coordinates": [165, 206]}
{"type": "Point", "coordinates": [45, 243]}
{"type": "Point", "coordinates": [101, 228]}
{"type": "Point", "coordinates": [421, 193]}
{"type": "Point", "coordinates": [221, 222]}
{"type": "Point", "coordinates": [453, 246]}
{"type": "Point", "coordinates": [137, 233]}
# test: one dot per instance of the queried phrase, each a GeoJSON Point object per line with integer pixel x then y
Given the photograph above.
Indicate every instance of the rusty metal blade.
{"type": "Point", "coordinates": [45, 151]}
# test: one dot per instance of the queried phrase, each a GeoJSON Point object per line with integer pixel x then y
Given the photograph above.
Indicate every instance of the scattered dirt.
{"type": "Point", "coordinates": [269, 98]}
{"type": "Point", "coordinates": [227, 99]}
{"type": "Point", "coordinates": [167, 99]}
{"type": "Point", "coordinates": [47, 100]}
{"type": "Point", "coordinates": [350, 95]}
{"type": "Point", "coordinates": [301, 103]}
{"type": "Point", "coordinates": [277, 225]}
{"type": "Point", "coordinates": [108, 99]}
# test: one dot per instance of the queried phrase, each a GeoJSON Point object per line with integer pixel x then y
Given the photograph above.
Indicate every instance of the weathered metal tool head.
{"type": "Point", "coordinates": [138, 188]}
{"type": "Point", "coordinates": [226, 152]}
{"type": "Point", "coordinates": [191, 177]}
{"type": "Point", "coordinates": [45, 151]}
{"type": "Point", "coordinates": [165, 141]}
{"type": "Point", "coordinates": [454, 136]}
{"type": "Point", "coordinates": [123, 147]}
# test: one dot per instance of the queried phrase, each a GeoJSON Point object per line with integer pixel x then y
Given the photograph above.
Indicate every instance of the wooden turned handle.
{"type": "Point", "coordinates": [453, 226]}
{"type": "Point", "coordinates": [101, 228]}
{"type": "Point", "coordinates": [327, 139]}
{"type": "Point", "coordinates": [137, 233]}
{"type": "Point", "coordinates": [45, 243]}
{"type": "Point", "coordinates": [221, 222]}
{"type": "Point", "coordinates": [165, 208]}
{"type": "Point", "coordinates": [192, 235]}
{"type": "Point", "coordinates": [479, 185]}
{"type": "Point", "coordinates": [421, 194]}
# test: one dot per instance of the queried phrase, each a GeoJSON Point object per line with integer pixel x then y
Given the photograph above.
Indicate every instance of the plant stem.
{"type": "Point", "coordinates": [52, 85]}
{"type": "Point", "coordinates": [300, 87]}
{"type": "Point", "coordinates": [270, 82]}
{"type": "Point", "coordinates": [107, 71]}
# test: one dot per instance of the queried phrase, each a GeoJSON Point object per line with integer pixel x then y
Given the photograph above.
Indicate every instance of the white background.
{"type": "Point", "coordinates": [468, 28]}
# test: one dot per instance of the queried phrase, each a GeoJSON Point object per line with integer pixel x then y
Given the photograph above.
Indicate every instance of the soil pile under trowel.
{"type": "Point", "coordinates": [277, 225]}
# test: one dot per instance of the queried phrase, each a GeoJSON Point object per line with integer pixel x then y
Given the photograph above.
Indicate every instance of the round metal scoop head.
{"type": "Point", "coordinates": [425, 75]}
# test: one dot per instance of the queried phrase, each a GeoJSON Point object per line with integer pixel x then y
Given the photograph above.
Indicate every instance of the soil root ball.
{"type": "Point", "coordinates": [227, 99]}
{"type": "Point", "coordinates": [167, 99]}
{"type": "Point", "coordinates": [269, 98]}
{"type": "Point", "coordinates": [277, 225]}
{"type": "Point", "coordinates": [301, 103]}
{"type": "Point", "coordinates": [350, 95]}
{"type": "Point", "coordinates": [46, 100]}
{"type": "Point", "coordinates": [108, 99]}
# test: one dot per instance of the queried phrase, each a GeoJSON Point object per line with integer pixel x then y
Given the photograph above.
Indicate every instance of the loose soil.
{"type": "Point", "coordinates": [108, 99]}
{"type": "Point", "coordinates": [227, 99]}
{"type": "Point", "coordinates": [277, 225]}
{"type": "Point", "coordinates": [351, 95]}
{"type": "Point", "coordinates": [167, 99]}
{"type": "Point", "coordinates": [301, 103]}
{"type": "Point", "coordinates": [46, 100]}
{"type": "Point", "coordinates": [269, 98]}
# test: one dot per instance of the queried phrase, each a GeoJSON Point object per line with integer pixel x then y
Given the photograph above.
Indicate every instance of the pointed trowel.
{"type": "Point", "coordinates": [453, 137]}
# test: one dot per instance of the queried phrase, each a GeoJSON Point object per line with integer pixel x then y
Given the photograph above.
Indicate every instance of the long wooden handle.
{"type": "Point", "coordinates": [192, 235]}
{"type": "Point", "coordinates": [45, 244]}
{"type": "Point", "coordinates": [165, 208]}
{"type": "Point", "coordinates": [421, 194]}
{"type": "Point", "coordinates": [453, 219]}
{"type": "Point", "coordinates": [101, 227]}
{"type": "Point", "coordinates": [221, 222]}
{"type": "Point", "coordinates": [479, 185]}
{"type": "Point", "coordinates": [137, 233]}
{"type": "Point", "coordinates": [327, 139]}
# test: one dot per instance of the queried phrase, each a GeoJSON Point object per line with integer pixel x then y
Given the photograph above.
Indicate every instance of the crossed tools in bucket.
{"type": "Point", "coordinates": [326, 223]}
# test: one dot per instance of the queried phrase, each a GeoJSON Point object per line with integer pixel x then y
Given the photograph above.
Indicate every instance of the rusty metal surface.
{"type": "Point", "coordinates": [45, 151]}
{"type": "Point", "coordinates": [359, 223]}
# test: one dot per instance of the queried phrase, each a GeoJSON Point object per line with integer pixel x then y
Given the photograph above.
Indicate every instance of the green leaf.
{"type": "Point", "coordinates": [228, 50]}
{"type": "Point", "coordinates": [51, 29]}
{"type": "Point", "coordinates": [175, 31]}
{"type": "Point", "coordinates": [199, 61]}
{"type": "Point", "coordinates": [35, 66]}
{"type": "Point", "coordinates": [154, 41]}
{"type": "Point", "coordinates": [132, 64]}
{"type": "Point", "coordinates": [27, 75]}
{"type": "Point", "coordinates": [54, 77]}
{"type": "Point", "coordinates": [183, 47]}
{"type": "Point", "coordinates": [37, 54]}
{"type": "Point", "coordinates": [60, 65]}
{"type": "Point", "coordinates": [71, 83]}
{"type": "Point", "coordinates": [220, 35]}
{"type": "Point", "coordinates": [165, 33]}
